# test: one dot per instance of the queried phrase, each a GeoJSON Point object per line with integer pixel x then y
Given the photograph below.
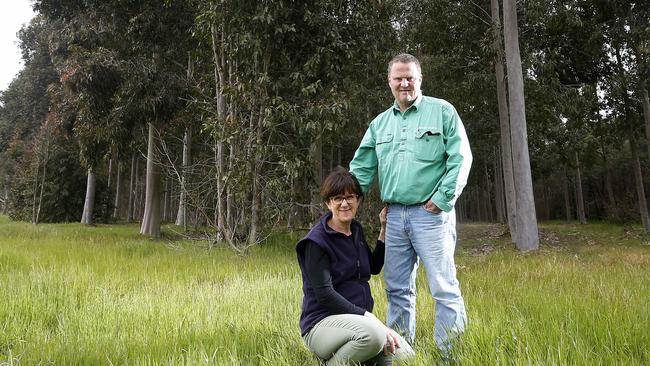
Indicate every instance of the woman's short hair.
{"type": "Point", "coordinates": [339, 181]}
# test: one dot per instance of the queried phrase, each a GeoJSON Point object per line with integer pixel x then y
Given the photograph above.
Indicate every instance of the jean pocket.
{"type": "Point", "coordinates": [438, 213]}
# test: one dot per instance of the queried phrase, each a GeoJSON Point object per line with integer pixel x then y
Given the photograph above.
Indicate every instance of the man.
{"type": "Point", "coordinates": [420, 150]}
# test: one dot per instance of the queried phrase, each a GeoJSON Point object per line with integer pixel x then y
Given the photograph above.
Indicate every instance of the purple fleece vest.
{"type": "Point", "coordinates": [349, 268]}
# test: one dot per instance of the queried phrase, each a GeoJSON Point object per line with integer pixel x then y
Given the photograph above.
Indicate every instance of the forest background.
{"type": "Point", "coordinates": [225, 115]}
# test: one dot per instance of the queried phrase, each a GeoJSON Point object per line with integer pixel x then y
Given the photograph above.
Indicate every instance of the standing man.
{"type": "Point", "coordinates": [420, 150]}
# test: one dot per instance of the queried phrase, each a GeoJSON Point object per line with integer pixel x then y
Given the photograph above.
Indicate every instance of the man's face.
{"type": "Point", "coordinates": [405, 81]}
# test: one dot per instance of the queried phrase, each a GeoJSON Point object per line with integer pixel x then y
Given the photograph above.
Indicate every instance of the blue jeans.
{"type": "Point", "coordinates": [413, 232]}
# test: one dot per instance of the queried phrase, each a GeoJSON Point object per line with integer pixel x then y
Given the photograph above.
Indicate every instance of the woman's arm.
{"type": "Point", "coordinates": [317, 268]}
{"type": "Point", "coordinates": [377, 255]}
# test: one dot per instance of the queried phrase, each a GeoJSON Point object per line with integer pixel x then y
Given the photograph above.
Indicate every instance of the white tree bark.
{"type": "Point", "coordinates": [129, 214]}
{"type": "Point", "coordinates": [89, 203]}
{"type": "Point", "coordinates": [640, 190]}
{"type": "Point", "coordinates": [527, 237]}
{"type": "Point", "coordinates": [504, 125]}
{"type": "Point", "coordinates": [565, 191]}
{"type": "Point", "coordinates": [257, 180]}
{"type": "Point", "coordinates": [110, 173]}
{"type": "Point", "coordinates": [230, 204]}
{"type": "Point", "coordinates": [181, 215]}
{"type": "Point", "coordinates": [580, 200]}
{"type": "Point", "coordinates": [499, 189]}
{"type": "Point", "coordinates": [151, 217]}
{"type": "Point", "coordinates": [118, 191]}
{"type": "Point", "coordinates": [40, 195]}
{"type": "Point", "coordinates": [35, 189]}
{"type": "Point", "coordinates": [219, 66]}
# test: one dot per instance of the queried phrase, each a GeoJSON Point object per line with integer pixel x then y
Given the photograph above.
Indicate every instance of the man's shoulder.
{"type": "Point", "coordinates": [383, 116]}
{"type": "Point", "coordinates": [436, 102]}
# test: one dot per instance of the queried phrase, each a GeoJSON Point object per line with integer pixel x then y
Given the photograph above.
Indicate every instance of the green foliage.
{"type": "Point", "coordinates": [290, 88]}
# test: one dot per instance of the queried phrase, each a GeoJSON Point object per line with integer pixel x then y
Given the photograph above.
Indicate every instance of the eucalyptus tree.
{"type": "Point", "coordinates": [504, 121]}
{"type": "Point", "coordinates": [526, 226]}
{"type": "Point", "coordinates": [84, 51]}
{"type": "Point", "coordinates": [30, 137]}
{"type": "Point", "coordinates": [160, 37]}
{"type": "Point", "coordinates": [288, 78]}
{"type": "Point", "coordinates": [627, 42]}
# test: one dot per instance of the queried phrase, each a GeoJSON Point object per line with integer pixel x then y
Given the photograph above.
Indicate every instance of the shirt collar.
{"type": "Point", "coordinates": [415, 105]}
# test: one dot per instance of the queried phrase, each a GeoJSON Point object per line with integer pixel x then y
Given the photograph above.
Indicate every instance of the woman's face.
{"type": "Point", "coordinates": [343, 207]}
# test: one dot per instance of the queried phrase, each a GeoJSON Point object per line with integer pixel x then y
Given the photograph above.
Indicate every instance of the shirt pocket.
{"type": "Point", "coordinates": [382, 147]}
{"type": "Point", "coordinates": [429, 144]}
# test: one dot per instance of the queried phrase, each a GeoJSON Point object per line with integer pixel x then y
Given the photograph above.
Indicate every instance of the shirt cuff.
{"type": "Point", "coordinates": [441, 201]}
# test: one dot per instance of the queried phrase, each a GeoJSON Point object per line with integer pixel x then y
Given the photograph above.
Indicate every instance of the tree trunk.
{"type": "Point", "coordinates": [181, 215]}
{"type": "Point", "coordinates": [151, 217]}
{"type": "Point", "coordinates": [218, 54]}
{"type": "Point", "coordinates": [5, 203]}
{"type": "Point", "coordinates": [526, 226]}
{"type": "Point", "coordinates": [139, 193]}
{"type": "Point", "coordinates": [640, 190]}
{"type": "Point", "coordinates": [608, 183]}
{"type": "Point", "coordinates": [165, 208]}
{"type": "Point", "coordinates": [580, 202]}
{"type": "Point", "coordinates": [504, 126]}
{"type": "Point", "coordinates": [110, 173]}
{"type": "Point", "coordinates": [134, 172]}
{"type": "Point", "coordinates": [257, 180]}
{"type": "Point", "coordinates": [646, 113]}
{"type": "Point", "coordinates": [565, 191]}
{"type": "Point", "coordinates": [220, 172]}
{"type": "Point", "coordinates": [40, 195]}
{"type": "Point", "coordinates": [499, 189]}
{"type": "Point", "coordinates": [89, 203]}
{"type": "Point", "coordinates": [35, 189]}
{"type": "Point", "coordinates": [488, 195]}
{"type": "Point", "coordinates": [230, 205]}
{"type": "Point", "coordinates": [118, 190]}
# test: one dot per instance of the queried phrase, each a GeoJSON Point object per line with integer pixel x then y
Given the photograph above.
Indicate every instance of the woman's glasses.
{"type": "Point", "coordinates": [350, 198]}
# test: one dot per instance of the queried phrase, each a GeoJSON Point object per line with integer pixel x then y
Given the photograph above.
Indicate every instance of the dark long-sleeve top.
{"type": "Point", "coordinates": [339, 268]}
{"type": "Point", "coordinates": [317, 266]}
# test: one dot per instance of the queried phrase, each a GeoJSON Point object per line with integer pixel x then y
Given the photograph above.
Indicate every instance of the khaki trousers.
{"type": "Point", "coordinates": [346, 339]}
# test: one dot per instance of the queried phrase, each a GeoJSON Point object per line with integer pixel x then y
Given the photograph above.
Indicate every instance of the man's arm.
{"type": "Point", "coordinates": [459, 161]}
{"type": "Point", "coordinates": [364, 163]}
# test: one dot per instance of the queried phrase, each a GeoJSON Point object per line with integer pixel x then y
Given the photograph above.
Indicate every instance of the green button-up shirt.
{"type": "Point", "coordinates": [420, 154]}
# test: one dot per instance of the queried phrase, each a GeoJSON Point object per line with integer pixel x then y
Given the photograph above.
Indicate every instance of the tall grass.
{"type": "Point", "coordinates": [78, 295]}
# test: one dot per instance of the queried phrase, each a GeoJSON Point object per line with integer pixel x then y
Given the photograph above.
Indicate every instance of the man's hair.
{"type": "Point", "coordinates": [404, 58]}
{"type": "Point", "coordinates": [338, 182]}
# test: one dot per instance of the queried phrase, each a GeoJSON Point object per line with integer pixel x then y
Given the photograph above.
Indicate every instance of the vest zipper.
{"type": "Point", "coordinates": [359, 268]}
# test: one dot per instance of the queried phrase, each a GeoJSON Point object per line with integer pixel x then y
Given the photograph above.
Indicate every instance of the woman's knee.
{"type": "Point", "coordinates": [373, 337]}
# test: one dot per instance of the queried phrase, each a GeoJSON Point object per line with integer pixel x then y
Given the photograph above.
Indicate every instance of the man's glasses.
{"type": "Point", "coordinates": [350, 198]}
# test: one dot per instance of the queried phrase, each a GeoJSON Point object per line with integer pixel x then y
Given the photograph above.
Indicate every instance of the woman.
{"type": "Point", "coordinates": [336, 322]}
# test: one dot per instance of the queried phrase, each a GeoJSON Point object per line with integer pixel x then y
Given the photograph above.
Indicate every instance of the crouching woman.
{"type": "Point", "coordinates": [336, 322]}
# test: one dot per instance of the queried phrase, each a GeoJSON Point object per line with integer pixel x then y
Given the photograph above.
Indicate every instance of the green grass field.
{"type": "Point", "coordinates": [104, 295]}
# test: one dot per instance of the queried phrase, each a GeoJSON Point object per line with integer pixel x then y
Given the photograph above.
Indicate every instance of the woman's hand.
{"type": "Point", "coordinates": [382, 222]}
{"type": "Point", "coordinates": [392, 343]}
